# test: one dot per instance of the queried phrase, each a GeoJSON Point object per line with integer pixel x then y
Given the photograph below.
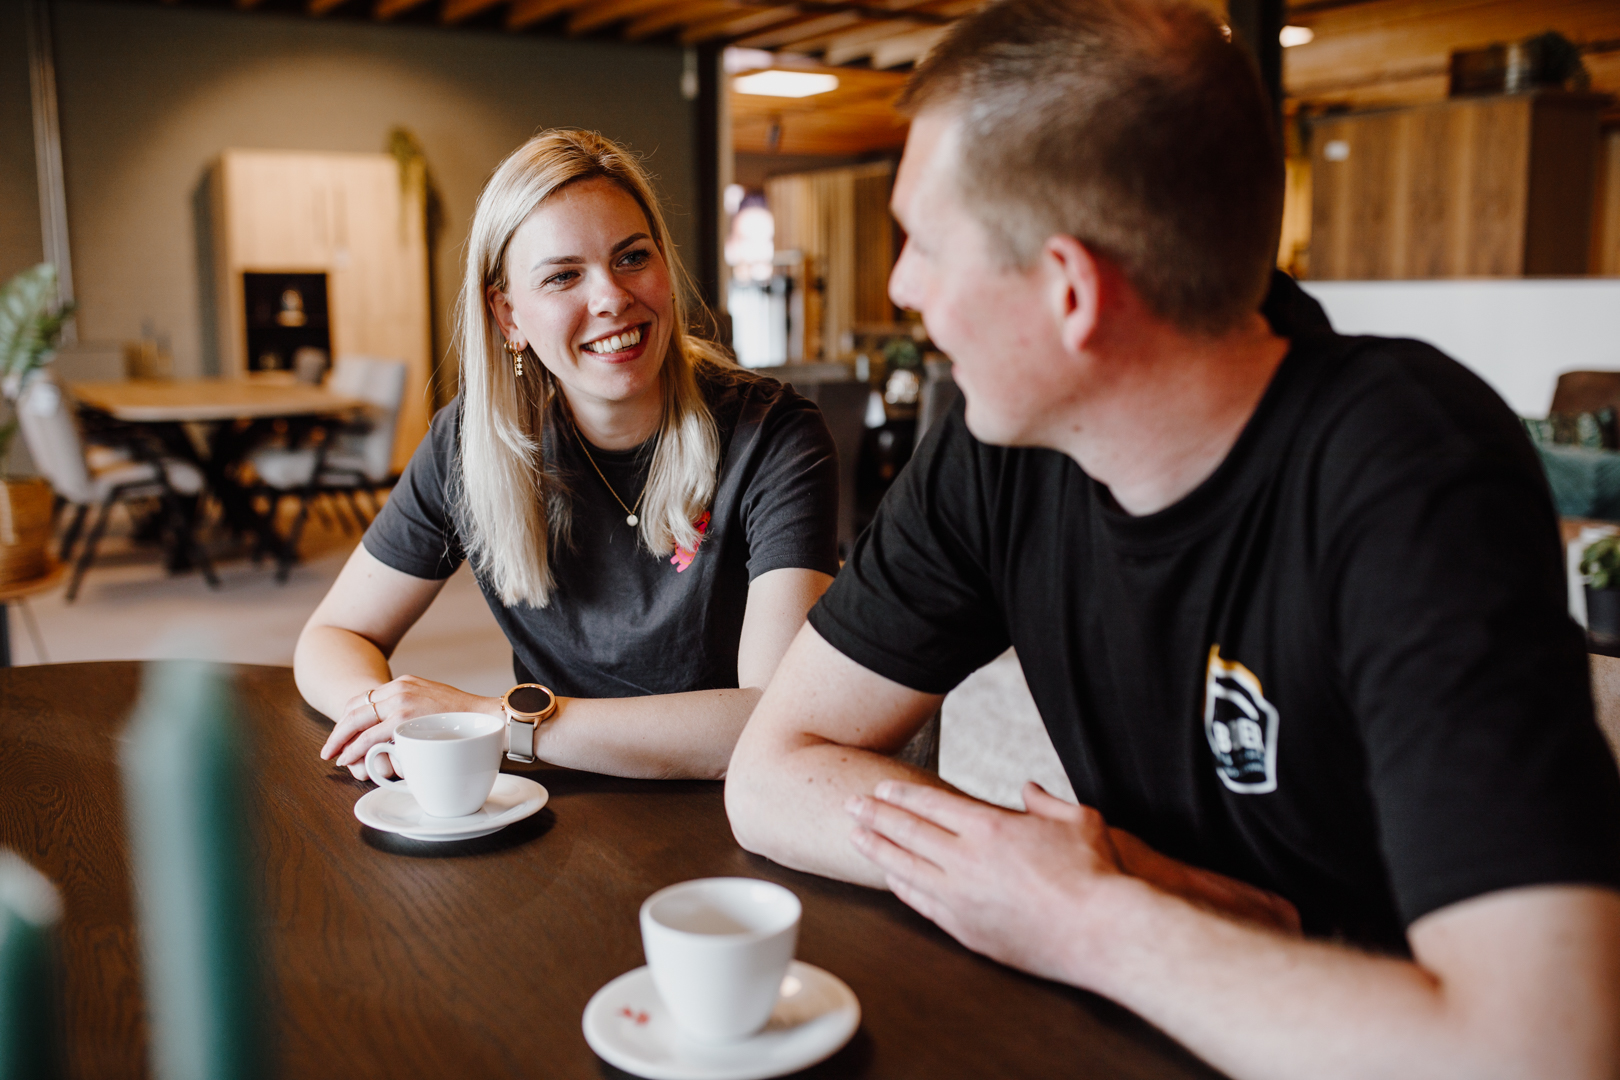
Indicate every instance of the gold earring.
{"type": "Point", "coordinates": [516, 352]}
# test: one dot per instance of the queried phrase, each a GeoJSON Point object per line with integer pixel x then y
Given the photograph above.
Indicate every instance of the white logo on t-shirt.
{"type": "Point", "coordinates": [1241, 726]}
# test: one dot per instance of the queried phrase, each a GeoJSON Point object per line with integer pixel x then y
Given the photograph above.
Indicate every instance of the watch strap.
{"type": "Point", "coordinates": [523, 725]}
{"type": "Point", "coordinates": [520, 739]}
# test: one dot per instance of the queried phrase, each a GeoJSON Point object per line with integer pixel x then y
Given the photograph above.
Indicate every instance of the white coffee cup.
{"type": "Point", "coordinates": [718, 948]}
{"type": "Point", "coordinates": [449, 761]}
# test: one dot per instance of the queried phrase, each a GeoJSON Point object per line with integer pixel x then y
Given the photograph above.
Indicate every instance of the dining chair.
{"type": "Point", "coordinates": [30, 1030]}
{"type": "Point", "coordinates": [352, 460]}
{"type": "Point", "coordinates": [83, 481]}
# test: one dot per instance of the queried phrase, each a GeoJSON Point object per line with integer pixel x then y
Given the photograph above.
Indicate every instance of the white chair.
{"type": "Point", "coordinates": [81, 482]}
{"type": "Point", "coordinates": [357, 458]}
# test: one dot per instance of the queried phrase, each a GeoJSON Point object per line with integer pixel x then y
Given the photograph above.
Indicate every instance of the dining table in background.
{"type": "Point", "coordinates": [234, 416]}
{"type": "Point", "coordinates": [176, 401]}
{"type": "Point", "coordinates": [399, 958]}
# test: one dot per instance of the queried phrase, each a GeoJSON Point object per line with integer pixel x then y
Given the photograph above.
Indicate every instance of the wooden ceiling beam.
{"type": "Point", "coordinates": [891, 10]}
{"type": "Point", "coordinates": [387, 9]}
{"type": "Point", "coordinates": [607, 12]}
{"type": "Point", "coordinates": [907, 48]}
{"type": "Point", "coordinates": [525, 13]}
{"type": "Point", "coordinates": [734, 24]}
{"type": "Point", "coordinates": [841, 47]}
{"type": "Point", "coordinates": [666, 19]}
{"type": "Point", "coordinates": [455, 11]}
{"type": "Point", "coordinates": [811, 26]}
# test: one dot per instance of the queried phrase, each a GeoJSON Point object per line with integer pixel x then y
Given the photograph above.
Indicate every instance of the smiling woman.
{"type": "Point", "coordinates": [595, 448]}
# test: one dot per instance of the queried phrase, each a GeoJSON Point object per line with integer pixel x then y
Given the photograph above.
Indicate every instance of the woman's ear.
{"type": "Point", "coordinates": [501, 308]}
{"type": "Point", "coordinates": [1073, 288]}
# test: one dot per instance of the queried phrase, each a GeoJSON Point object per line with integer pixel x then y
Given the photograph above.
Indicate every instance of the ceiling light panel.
{"type": "Point", "coordinates": [789, 84]}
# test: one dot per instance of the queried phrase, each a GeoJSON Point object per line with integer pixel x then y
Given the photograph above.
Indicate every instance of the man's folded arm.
{"type": "Point", "coordinates": [1523, 983]}
{"type": "Point", "coordinates": [822, 732]}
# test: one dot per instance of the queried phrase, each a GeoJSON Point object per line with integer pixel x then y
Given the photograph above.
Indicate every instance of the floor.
{"type": "Point", "coordinates": [991, 737]}
{"type": "Point", "coordinates": [130, 609]}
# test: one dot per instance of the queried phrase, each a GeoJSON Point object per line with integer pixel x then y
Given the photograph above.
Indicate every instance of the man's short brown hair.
{"type": "Point", "coordinates": [1137, 127]}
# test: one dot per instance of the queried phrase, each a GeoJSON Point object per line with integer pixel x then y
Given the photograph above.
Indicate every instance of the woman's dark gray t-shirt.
{"type": "Point", "coordinates": [622, 621]}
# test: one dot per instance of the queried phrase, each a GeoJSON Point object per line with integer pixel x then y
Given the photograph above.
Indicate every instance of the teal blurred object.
{"type": "Point", "coordinates": [184, 775]}
{"type": "Point", "coordinates": [1585, 483]}
{"type": "Point", "coordinates": [30, 1038]}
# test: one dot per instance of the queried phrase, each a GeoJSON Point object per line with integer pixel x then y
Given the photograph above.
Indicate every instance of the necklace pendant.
{"type": "Point", "coordinates": [632, 521]}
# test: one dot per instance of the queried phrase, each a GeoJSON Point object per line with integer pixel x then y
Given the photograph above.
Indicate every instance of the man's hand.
{"type": "Point", "coordinates": [1006, 884]}
{"type": "Point", "coordinates": [369, 719]}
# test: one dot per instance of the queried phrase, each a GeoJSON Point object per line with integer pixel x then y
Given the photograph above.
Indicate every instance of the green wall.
{"type": "Point", "coordinates": [149, 96]}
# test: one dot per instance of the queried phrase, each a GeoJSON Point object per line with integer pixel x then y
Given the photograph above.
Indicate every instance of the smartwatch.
{"type": "Point", "coordinates": [527, 706]}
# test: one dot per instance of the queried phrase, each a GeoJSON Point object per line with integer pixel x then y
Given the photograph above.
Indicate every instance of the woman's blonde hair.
{"type": "Point", "coordinates": [512, 507]}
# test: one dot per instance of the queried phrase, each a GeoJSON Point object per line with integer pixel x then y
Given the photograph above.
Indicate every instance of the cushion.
{"type": "Point", "coordinates": [1591, 430]}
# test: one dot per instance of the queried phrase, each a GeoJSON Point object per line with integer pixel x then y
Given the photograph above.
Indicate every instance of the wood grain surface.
{"type": "Point", "coordinates": [391, 957]}
{"type": "Point", "coordinates": [201, 400]}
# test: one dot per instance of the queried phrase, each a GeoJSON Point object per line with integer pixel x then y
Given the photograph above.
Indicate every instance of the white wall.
{"type": "Point", "coordinates": [1517, 334]}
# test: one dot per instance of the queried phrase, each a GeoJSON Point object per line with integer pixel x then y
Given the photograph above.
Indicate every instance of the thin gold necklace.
{"type": "Point", "coordinates": [630, 518]}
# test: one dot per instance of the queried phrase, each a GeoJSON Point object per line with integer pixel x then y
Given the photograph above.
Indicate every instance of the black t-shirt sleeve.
{"type": "Point", "coordinates": [915, 603]}
{"type": "Point", "coordinates": [415, 532]}
{"type": "Point", "coordinates": [1466, 676]}
{"type": "Point", "coordinates": [789, 506]}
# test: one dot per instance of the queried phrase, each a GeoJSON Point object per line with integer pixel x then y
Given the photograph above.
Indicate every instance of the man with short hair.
{"type": "Point", "coordinates": [1290, 603]}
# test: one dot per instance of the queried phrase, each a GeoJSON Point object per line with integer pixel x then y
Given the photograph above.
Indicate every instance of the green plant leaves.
{"type": "Point", "coordinates": [30, 325]}
{"type": "Point", "coordinates": [1600, 563]}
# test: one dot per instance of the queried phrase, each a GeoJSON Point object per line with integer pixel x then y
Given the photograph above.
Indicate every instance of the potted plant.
{"type": "Point", "coordinates": [1600, 569]}
{"type": "Point", "coordinates": [31, 323]}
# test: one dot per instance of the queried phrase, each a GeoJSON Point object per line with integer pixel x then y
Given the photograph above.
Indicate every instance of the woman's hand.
{"type": "Point", "coordinates": [369, 719]}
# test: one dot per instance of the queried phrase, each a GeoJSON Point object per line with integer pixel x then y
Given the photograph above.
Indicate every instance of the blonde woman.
{"type": "Point", "coordinates": [648, 522]}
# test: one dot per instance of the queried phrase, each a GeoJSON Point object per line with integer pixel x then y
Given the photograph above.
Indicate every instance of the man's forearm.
{"type": "Point", "coordinates": [1260, 1005]}
{"type": "Point", "coordinates": [790, 807]}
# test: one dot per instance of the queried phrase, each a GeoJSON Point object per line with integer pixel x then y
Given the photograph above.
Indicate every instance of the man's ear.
{"type": "Point", "coordinates": [501, 307]}
{"type": "Point", "coordinates": [1073, 286]}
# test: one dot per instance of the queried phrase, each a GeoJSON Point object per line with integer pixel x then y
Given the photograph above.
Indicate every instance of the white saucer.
{"type": "Point", "coordinates": [627, 1025]}
{"type": "Point", "coordinates": [392, 810]}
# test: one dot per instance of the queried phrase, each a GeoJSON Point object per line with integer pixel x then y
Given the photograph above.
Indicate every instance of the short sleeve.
{"type": "Point", "coordinates": [789, 507]}
{"type": "Point", "coordinates": [415, 532]}
{"type": "Point", "coordinates": [1466, 676]}
{"type": "Point", "coordinates": [915, 602]}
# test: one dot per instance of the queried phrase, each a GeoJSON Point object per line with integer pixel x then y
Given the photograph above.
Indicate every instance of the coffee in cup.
{"type": "Point", "coordinates": [449, 761]}
{"type": "Point", "coordinates": [718, 949]}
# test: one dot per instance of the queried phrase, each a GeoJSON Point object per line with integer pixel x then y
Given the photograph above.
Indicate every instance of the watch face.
{"type": "Point", "coordinates": [529, 699]}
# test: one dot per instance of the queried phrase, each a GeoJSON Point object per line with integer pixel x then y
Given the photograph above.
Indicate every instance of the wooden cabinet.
{"type": "Point", "coordinates": [1473, 187]}
{"type": "Point", "coordinates": [347, 216]}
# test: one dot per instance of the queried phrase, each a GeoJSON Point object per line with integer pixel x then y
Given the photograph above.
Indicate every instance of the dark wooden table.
{"type": "Point", "coordinates": [395, 958]}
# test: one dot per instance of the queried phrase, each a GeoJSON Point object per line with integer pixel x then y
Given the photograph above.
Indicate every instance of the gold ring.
{"type": "Point", "coordinates": [373, 704]}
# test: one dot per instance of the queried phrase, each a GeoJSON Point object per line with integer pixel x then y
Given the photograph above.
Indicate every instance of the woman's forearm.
{"type": "Point", "coordinates": [666, 736]}
{"type": "Point", "coordinates": [331, 666]}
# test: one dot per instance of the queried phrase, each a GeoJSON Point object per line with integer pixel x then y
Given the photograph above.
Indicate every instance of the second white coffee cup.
{"type": "Point", "coordinates": [449, 761]}
{"type": "Point", "coordinates": [717, 949]}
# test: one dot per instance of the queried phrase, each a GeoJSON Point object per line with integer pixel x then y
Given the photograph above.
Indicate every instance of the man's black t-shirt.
{"type": "Point", "coordinates": [623, 622]}
{"type": "Point", "coordinates": [1340, 668]}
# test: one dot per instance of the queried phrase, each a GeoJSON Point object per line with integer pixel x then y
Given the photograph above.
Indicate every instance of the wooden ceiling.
{"type": "Point", "coordinates": [879, 33]}
{"type": "Point", "coordinates": [1366, 53]}
{"type": "Point", "coordinates": [856, 119]}
{"type": "Point", "coordinates": [1370, 53]}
